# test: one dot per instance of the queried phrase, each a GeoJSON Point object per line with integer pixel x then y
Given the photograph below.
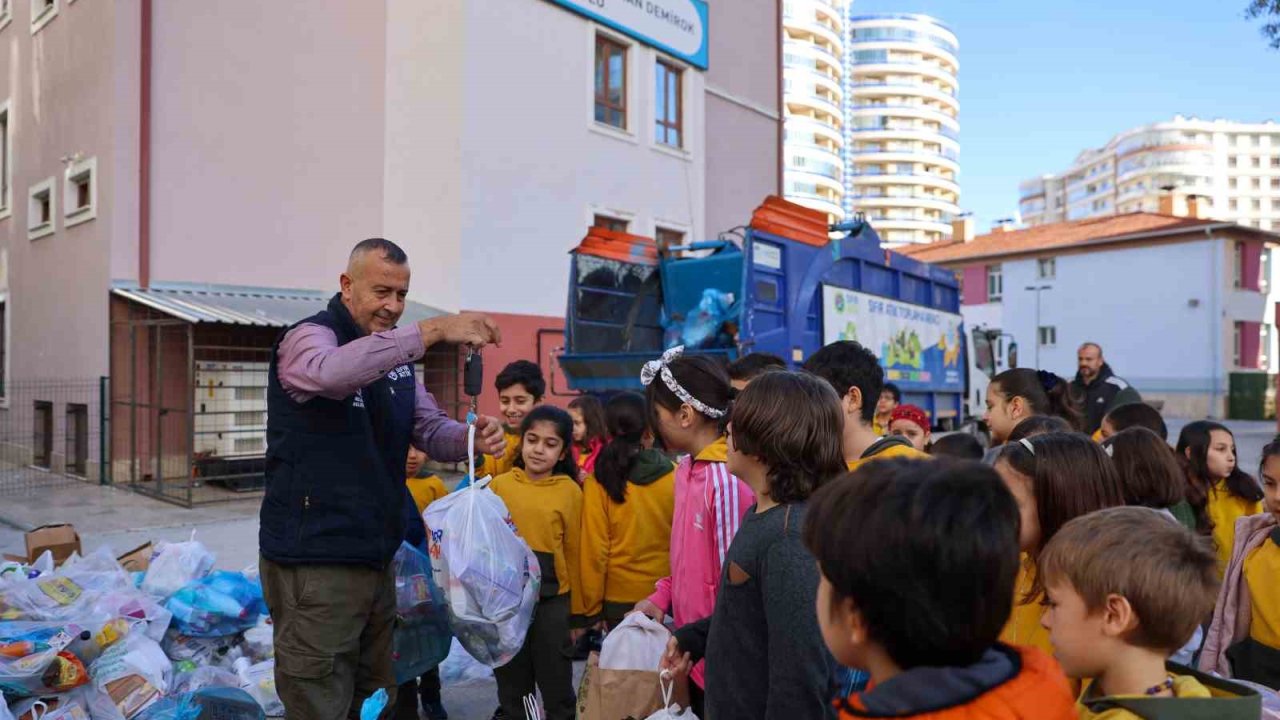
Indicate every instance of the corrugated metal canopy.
{"type": "Point", "coordinates": [237, 305]}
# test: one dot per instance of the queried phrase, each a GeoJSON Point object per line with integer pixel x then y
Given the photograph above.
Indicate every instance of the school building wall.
{"type": "Point", "coordinates": [1165, 315]}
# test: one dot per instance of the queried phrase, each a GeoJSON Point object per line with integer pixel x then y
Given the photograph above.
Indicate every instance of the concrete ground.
{"type": "Point", "coordinates": [122, 520]}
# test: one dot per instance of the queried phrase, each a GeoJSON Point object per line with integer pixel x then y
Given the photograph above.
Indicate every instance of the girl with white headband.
{"type": "Point", "coordinates": [688, 400]}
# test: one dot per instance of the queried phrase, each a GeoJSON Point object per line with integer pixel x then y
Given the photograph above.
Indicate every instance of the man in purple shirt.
{"type": "Point", "coordinates": [343, 407]}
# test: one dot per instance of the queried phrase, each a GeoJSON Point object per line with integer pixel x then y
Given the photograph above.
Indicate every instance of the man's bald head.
{"type": "Point", "coordinates": [378, 248]}
{"type": "Point", "coordinates": [1090, 361]}
{"type": "Point", "coordinates": [375, 285]}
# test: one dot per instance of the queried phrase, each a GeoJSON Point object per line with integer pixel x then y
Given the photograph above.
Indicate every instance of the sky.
{"type": "Point", "coordinates": [1040, 81]}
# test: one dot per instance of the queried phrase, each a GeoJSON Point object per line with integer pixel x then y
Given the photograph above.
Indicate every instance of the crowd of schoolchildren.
{"type": "Point", "coordinates": [819, 554]}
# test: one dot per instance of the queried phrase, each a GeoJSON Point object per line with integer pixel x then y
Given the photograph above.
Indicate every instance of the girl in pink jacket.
{"type": "Point", "coordinates": [689, 402]}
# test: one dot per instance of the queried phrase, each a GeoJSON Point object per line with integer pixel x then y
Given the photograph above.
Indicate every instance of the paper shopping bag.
{"type": "Point", "coordinates": [617, 694]}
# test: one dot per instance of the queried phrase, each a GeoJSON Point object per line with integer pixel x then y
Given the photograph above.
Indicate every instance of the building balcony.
{"type": "Point", "coordinates": [929, 49]}
{"type": "Point", "coordinates": [942, 205]}
{"type": "Point", "coordinates": [920, 111]}
{"type": "Point", "coordinates": [910, 156]}
{"type": "Point", "coordinates": [940, 135]}
{"type": "Point", "coordinates": [819, 181]}
{"type": "Point", "coordinates": [814, 202]}
{"type": "Point", "coordinates": [801, 126]}
{"type": "Point", "coordinates": [906, 67]}
{"type": "Point", "coordinates": [818, 105]}
{"type": "Point", "coordinates": [806, 54]}
{"type": "Point", "coordinates": [861, 91]}
{"type": "Point", "coordinates": [804, 25]}
{"type": "Point", "coordinates": [883, 225]}
{"type": "Point", "coordinates": [798, 79]}
{"type": "Point", "coordinates": [899, 178]}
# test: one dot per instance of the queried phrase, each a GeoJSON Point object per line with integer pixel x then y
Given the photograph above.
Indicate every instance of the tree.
{"type": "Point", "coordinates": [1268, 10]}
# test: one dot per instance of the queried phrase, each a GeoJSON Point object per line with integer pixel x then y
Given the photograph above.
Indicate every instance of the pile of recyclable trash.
{"type": "Point", "coordinates": [87, 639]}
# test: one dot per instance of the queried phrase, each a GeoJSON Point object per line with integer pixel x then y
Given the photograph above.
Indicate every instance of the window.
{"type": "Point", "coordinates": [250, 393]}
{"type": "Point", "coordinates": [42, 12]}
{"type": "Point", "coordinates": [669, 103]}
{"type": "Point", "coordinates": [1047, 268]}
{"type": "Point", "coordinates": [668, 238]}
{"type": "Point", "coordinates": [1048, 336]}
{"type": "Point", "coordinates": [1235, 183]}
{"type": "Point", "coordinates": [4, 345]}
{"type": "Point", "coordinates": [80, 191]}
{"type": "Point", "coordinates": [1237, 265]}
{"type": "Point", "coordinates": [1257, 162]}
{"type": "Point", "coordinates": [1237, 335]}
{"type": "Point", "coordinates": [610, 223]}
{"type": "Point", "coordinates": [42, 434]}
{"type": "Point", "coordinates": [1264, 344]}
{"type": "Point", "coordinates": [6, 159]}
{"type": "Point", "coordinates": [40, 203]}
{"type": "Point", "coordinates": [6, 13]}
{"type": "Point", "coordinates": [77, 439]}
{"type": "Point", "coordinates": [1264, 271]}
{"type": "Point", "coordinates": [250, 417]}
{"type": "Point", "coordinates": [1257, 204]}
{"type": "Point", "coordinates": [995, 283]}
{"type": "Point", "coordinates": [611, 82]}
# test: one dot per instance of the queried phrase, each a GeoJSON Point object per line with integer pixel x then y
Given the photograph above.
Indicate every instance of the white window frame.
{"type": "Point", "coordinates": [6, 197]}
{"type": "Point", "coordinates": [39, 20]}
{"type": "Point", "coordinates": [48, 185]}
{"type": "Point", "coordinates": [6, 13]}
{"type": "Point", "coordinates": [634, 58]}
{"type": "Point", "coordinates": [1047, 335]}
{"type": "Point", "coordinates": [87, 168]}
{"type": "Point", "coordinates": [593, 210]}
{"type": "Point", "coordinates": [1265, 341]}
{"type": "Point", "coordinates": [673, 226]}
{"type": "Point", "coordinates": [995, 277]}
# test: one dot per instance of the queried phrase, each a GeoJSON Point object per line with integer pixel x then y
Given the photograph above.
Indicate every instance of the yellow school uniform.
{"type": "Point", "coordinates": [626, 547]}
{"type": "Point", "coordinates": [495, 466]}
{"type": "Point", "coordinates": [893, 451]}
{"type": "Point", "coordinates": [548, 515]}
{"type": "Point", "coordinates": [1184, 687]}
{"type": "Point", "coordinates": [1262, 576]}
{"type": "Point", "coordinates": [1224, 509]}
{"type": "Point", "coordinates": [1023, 627]}
{"type": "Point", "coordinates": [426, 490]}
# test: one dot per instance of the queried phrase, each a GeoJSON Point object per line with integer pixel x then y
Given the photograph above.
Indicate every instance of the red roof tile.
{"type": "Point", "coordinates": [1092, 231]}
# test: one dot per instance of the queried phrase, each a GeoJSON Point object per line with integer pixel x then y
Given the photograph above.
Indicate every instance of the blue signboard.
{"type": "Point", "coordinates": [677, 27]}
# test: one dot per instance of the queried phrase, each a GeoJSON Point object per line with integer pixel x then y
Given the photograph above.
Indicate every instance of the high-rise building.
{"type": "Point", "coordinates": [901, 128]}
{"type": "Point", "coordinates": [1232, 168]}
{"type": "Point", "coordinates": [813, 100]}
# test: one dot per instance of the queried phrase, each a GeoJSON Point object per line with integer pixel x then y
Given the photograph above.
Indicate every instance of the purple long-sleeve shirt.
{"type": "Point", "coordinates": [312, 364]}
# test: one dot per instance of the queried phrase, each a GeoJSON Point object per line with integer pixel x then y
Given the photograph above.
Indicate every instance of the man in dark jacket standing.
{"type": "Point", "coordinates": [1099, 387]}
{"type": "Point", "coordinates": [343, 406]}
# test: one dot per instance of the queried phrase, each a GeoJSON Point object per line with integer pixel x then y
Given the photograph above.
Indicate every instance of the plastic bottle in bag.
{"type": "Point", "coordinates": [260, 682]}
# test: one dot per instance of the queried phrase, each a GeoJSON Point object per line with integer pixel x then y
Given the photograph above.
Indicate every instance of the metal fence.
{"type": "Point", "coordinates": [52, 433]}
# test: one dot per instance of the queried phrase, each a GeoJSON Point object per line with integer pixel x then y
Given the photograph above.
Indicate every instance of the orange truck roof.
{"type": "Point", "coordinates": [614, 245]}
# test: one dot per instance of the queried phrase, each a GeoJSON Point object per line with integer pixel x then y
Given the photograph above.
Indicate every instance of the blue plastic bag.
{"type": "Point", "coordinates": [422, 636]}
{"type": "Point", "coordinates": [223, 603]}
{"type": "Point", "coordinates": [374, 705]}
{"type": "Point", "coordinates": [211, 703]}
{"type": "Point", "coordinates": [701, 326]}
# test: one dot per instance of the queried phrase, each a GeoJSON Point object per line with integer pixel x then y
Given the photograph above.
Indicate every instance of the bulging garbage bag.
{"type": "Point", "coordinates": [222, 603]}
{"type": "Point", "coordinates": [489, 575]}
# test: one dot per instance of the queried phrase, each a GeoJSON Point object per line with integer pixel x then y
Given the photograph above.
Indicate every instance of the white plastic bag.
{"type": "Point", "coordinates": [134, 672]}
{"type": "Point", "coordinates": [65, 593]}
{"type": "Point", "coordinates": [260, 682]}
{"type": "Point", "coordinates": [259, 640]}
{"type": "Point", "coordinates": [175, 565]}
{"type": "Point", "coordinates": [204, 677]}
{"type": "Point", "coordinates": [670, 711]}
{"type": "Point", "coordinates": [489, 575]}
{"type": "Point", "coordinates": [636, 644]}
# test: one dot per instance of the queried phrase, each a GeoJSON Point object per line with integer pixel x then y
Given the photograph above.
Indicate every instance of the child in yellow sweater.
{"type": "Point", "coordinates": [1217, 489]}
{"type": "Point", "coordinates": [541, 492]}
{"type": "Point", "coordinates": [520, 388]}
{"type": "Point", "coordinates": [626, 518]}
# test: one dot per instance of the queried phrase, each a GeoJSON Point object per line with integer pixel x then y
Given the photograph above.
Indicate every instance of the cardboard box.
{"type": "Point", "coordinates": [61, 539]}
{"type": "Point", "coordinates": [137, 559]}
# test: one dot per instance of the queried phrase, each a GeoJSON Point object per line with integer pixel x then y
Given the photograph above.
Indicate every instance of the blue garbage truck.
{"type": "Point", "coordinates": [785, 284]}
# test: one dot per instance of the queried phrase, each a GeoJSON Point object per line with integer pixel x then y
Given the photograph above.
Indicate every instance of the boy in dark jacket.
{"type": "Point", "coordinates": [918, 562]}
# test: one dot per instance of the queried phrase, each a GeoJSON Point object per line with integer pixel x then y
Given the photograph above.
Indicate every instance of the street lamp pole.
{"type": "Point", "coordinates": [1037, 289]}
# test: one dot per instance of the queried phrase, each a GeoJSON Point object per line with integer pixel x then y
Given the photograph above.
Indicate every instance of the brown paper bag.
{"type": "Point", "coordinates": [617, 694]}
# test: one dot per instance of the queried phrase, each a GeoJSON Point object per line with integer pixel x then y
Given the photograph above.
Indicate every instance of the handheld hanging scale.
{"type": "Point", "coordinates": [472, 385]}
